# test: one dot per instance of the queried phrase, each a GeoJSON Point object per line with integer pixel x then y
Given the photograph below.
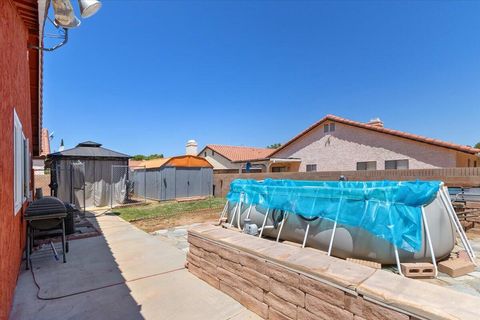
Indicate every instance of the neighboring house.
{"type": "Point", "coordinates": [20, 123]}
{"type": "Point", "coordinates": [335, 143]}
{"type": "Point", "coordinates": [234, 158]}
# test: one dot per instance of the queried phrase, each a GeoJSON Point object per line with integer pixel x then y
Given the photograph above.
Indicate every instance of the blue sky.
{"type": "Point", "coordinates": [146, 76]}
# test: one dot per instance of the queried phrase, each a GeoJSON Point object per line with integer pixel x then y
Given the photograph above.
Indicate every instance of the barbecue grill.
{"type": "Point", "coordinates": [45, 214]}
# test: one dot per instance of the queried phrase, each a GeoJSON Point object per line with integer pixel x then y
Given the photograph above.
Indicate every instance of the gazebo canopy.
{"type": "Point", "coordinates": [88, 149]}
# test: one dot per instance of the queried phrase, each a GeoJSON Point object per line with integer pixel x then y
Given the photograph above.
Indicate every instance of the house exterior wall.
{"type": "Point", "coordinates": [14, 93]}
{"type": "Point", "coordinates": [347, 145]}
{"type": "Point", "coordinates": [218, 161]}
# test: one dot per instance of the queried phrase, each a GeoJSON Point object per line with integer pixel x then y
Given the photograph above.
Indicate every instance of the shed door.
{"type": "Point", "coordinates": [188, 182]}
{"type": "Point", "coordinates": [195, 182]}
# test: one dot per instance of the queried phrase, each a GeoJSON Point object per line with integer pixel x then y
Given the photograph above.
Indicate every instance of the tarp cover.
{"type": "Point", "coordinates": [390, 210]}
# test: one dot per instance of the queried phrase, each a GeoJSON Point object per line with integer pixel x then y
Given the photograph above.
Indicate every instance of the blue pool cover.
{"type": "Point", "coordinates": [390, 210]}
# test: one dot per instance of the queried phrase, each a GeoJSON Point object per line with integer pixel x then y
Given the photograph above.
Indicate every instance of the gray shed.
{"type": "Point", "coordinates": [89, 175]}
{"type": "Point", "coordinates": [174, 178]}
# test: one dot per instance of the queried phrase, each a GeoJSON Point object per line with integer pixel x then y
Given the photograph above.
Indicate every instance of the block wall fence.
{"type": "Point", "coordinates": [454, 177]}
{"type": "Point", "coordinates": [284, 282]}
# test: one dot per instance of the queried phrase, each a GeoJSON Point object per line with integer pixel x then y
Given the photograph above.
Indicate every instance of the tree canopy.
{"type": "Point", "coordinates": [149, 157]}
{"type": "Point", "coordinates": [477, 145]}
{"type": "Point", "coordinates": [274, 146]}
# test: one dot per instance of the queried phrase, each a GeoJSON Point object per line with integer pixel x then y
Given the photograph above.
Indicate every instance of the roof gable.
{"type": "Point", "coordinates": [383, 130]}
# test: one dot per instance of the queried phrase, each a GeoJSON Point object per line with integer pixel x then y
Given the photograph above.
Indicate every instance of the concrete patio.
{"type": "Point", "coordinates": [123, 274]}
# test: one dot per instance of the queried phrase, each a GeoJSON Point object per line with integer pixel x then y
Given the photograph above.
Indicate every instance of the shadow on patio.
{"type": "Point", "coordinates": [124, 273]}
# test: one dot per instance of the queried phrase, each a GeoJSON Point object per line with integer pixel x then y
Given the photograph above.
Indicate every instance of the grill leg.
{"type": "Point", "coordinates": [63, 241]}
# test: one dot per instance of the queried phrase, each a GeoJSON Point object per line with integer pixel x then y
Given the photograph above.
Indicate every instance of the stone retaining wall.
{"type": "Point", "coordinates": [279, 281]}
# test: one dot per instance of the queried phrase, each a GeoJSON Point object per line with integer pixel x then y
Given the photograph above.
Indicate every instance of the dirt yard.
{"type": "Point", "coordinates": [164, 215]}
{"type": "Point", "coordinates": [181, 219]}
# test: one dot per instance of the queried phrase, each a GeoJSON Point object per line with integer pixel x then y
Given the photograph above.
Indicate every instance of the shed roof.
{"type": "Point", "coordinates": [88, 149]}
{"type": "Point", "coordinates": [186, 161]}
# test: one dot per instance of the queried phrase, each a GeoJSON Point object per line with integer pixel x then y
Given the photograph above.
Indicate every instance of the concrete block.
{"type": "Point", "coordinates": [354, 304]}
{"type": "Point", "coordinates": [277, 315]}
{"type": "Point", "coordinates": [418, 270]}
{"type": "Point", "coordinates": [253, 262]}
{"type": "Point", "coordinates": [232, 267]}
{"type": "Point", "coordinates": [231, 291]}
{"type": "Point", "coordinates": [254, 305]}
{"type": "Point", "coordinates": [456, 267]}
{"type": "Point", "coordinates": [320, 290]}
{"type": "Point", "coordinates": [367, 263]}
{"type": "Point", "coordinates": [420, 298]}
{"type": "Point", "coordinates": [195, 251]}
{"type": "Point", "coordinates": [229, 254]}
{"type": "Point", "coordinates": [305, 315]}
{"type": "Point", "coordinates": [201, 243]}
{"type": "Point", "coordinates": [238, 282]}
{"type": "Point", "coordinates": [211, 280]}
{"type": "Point", "coordinates": [283, 275]}
{"type": "Point", "coordinates": [325, 310]}
{"type": "Point", "coordinates": [281, 305]}
{"type": "Point", "coordinates": [288, 293]}
{"type": "Point", "coordinates": [212, 258]}
{"type": "Point", "coordinates": [191, 258]}
{"type": "Point", "coordinates": [251, 289]}
{"type": "Point", "coordinates": [229, 278]}
{"type": "Point", "coordinates": [257, 278]}
{"type": "Point", "coordinates": [373, 311]}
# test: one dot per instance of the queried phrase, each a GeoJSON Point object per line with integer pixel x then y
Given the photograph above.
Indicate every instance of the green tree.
{"type": "Point", "coordinates": [139, 157]}
{"type": "Point", "coordinates": [274, 146]}
{"type": "Point", "coordinates": [477, 145]}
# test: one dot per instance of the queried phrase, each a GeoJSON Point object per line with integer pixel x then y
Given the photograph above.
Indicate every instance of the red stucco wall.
{"type": "Point", "coordinates": [14, 93]}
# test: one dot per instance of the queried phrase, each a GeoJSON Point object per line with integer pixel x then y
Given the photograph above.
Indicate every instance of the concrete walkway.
{"type": "Point", "coordinates": [124, 274]}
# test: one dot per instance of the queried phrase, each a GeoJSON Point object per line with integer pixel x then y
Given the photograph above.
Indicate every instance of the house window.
{"type": "Point", "coordinates": [21, 164]}
{"type": "Point", "coordinates": [205, 153]}
{"type": "Point", "coordinates": [213, 153]}
{"type": "Point", "coordinates": [329, 127]}
{"type": "Point", "coordinates": [396, 164]}
{"type": "Point", "coordinates": [279, 169]}
{"type": "Point", "coordinates": [311, 167]}
{"type": "Point", "coordinates": [367, 165]}
{"type": "Point", "coordinates": [475, 163]}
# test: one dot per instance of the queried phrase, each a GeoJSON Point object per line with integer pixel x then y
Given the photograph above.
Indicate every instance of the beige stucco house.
{"type": "Point", "coordinates": [232, 159]}
{"type": "Point", "coordinates": [335, 143]}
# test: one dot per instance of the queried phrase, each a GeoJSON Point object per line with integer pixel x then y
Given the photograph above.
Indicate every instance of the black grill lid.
{"type": "Point", "coordinates": [44, 206]}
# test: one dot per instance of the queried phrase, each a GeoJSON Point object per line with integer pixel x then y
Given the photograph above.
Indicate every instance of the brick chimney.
{"type": "Point", "coordinates": [376, 122]}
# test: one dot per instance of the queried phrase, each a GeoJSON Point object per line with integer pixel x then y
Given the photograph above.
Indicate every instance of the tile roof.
{"type": "Point", "coordinates": [379, 129]}
{"type": "Point", "coordinates": [240, 153]}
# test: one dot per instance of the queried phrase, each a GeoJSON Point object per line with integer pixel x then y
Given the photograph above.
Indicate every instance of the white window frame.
{"type": "Point", "coordinates": [311, 167]}
{"type": "Point", "coordinates": [21, 165]}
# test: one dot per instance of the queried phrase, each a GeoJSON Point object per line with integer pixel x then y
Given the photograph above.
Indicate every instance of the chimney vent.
{"type": "Point", "coordinates": [191, 148]}
{"type": "Point", "coordinates": [376, 122]}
